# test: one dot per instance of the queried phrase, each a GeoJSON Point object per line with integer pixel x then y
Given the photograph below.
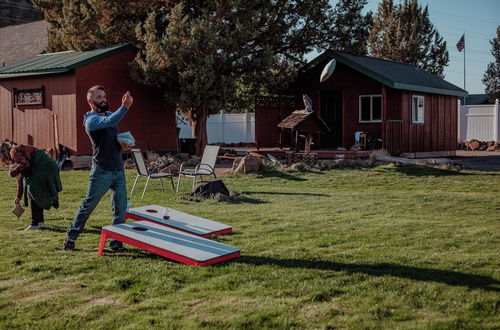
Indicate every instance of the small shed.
{"type": "Point", "coordinates": [410, 110]}
{"type": "Point", "coordinates": [43, 100]}
{"type": "Point", "coordinates": [475, 99]}
{"type": "Point", "coordinates": [302, 121]}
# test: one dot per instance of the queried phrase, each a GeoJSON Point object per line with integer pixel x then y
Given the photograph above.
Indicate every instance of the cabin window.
{"type": "Point", "coordinates": [417, 109]}
{"type": "Point", "coordinates": [370, 108]}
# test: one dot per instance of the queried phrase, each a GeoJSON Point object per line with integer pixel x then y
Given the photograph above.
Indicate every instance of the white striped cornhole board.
{"type": "Point", "coordinates": [169, 243]}
{"type": "Point", "coordinates": [179, 220]}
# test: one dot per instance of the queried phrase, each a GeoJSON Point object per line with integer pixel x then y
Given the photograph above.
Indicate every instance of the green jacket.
{"type": "Point", "coordinates": [43, 183]}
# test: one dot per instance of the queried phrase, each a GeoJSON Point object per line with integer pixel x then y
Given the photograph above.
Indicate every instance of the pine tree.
{"type": "Point", "coordinates": [200, 53]}
{"type": "Point", "coordinates": [351, 28]}
{"type": "Point", "coordinates": [404, 33]}
{"type": "Point", "coordinates": [491, 78]}
{"type": "Point", "coordinates": [382, 38]}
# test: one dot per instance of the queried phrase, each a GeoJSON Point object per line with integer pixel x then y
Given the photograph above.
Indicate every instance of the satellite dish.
{"type": "Point", "coordinates": [328, 70]}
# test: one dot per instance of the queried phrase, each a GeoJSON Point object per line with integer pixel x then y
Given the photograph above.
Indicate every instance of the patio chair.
{"type": "Point", "coordinates": [206, 166]}
{"type": "Point", "coordinates": [142, 170]}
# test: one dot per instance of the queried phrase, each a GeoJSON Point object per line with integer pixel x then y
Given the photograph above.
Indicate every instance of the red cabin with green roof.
{"type": "Point", "coordinates": [43, 100]}
{"type": "Point", "coordinates": [407, 110]}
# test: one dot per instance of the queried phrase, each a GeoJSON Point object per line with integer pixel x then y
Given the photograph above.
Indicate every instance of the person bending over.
{"type": "Point", "coordinates": [37, 177]}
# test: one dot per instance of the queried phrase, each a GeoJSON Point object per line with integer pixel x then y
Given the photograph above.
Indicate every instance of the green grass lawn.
{"type": "Point", "coordinates": [387, 247]}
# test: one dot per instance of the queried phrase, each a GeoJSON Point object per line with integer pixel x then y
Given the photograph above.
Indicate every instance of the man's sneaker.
{"type": "Point", "coordinates": [117, 246]}
{"type": "Point", "coordinates": [69, 245]}
{"type": "Point", "coordinates": [31, 227]}
{"type": "Point", "coordinates": [41, 224]}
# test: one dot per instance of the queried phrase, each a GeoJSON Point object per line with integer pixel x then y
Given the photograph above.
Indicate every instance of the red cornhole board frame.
{"type": "Point", "coordinates": [169, 243]}
{"type": "Point", "coordinates": [179, 220]}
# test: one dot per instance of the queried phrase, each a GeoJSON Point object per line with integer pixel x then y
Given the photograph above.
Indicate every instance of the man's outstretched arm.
{"type": "Point", "coordinates": [94, 123]}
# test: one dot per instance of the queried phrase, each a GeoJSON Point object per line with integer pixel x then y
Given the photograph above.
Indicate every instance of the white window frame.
{"type": "Point", "coordinates": [414, 114]}
{"type": "Point", "coordinates": [371, 109]}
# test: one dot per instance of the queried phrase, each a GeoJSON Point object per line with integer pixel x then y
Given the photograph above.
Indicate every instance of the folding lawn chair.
{"type": "Point", "coordinates": [206, 166]}
{"type": "Point", "coordinates": [142, 170]}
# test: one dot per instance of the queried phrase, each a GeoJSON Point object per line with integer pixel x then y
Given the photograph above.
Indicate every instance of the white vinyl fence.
{"type": "Point", "coordinates": [225, 127]}
{"type": "Point", "coordinates": [480, 122]}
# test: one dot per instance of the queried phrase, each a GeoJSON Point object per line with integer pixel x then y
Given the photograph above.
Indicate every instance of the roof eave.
{"type": "Point", "coordinates": [114, 50]}
{"type": "Point", "coordinates": [423, 89]}
{"type": "Point", "coordinates": [32, 73]}
{"type": "Point", "coordinates": [103, 55]}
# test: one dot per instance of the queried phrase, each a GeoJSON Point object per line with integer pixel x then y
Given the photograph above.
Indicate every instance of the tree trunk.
{"type": "Point", "coordinates": [198, 121]}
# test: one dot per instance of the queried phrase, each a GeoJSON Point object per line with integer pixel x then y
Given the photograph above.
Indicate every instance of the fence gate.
{"type": "Point", "coordinates": [393, 134]}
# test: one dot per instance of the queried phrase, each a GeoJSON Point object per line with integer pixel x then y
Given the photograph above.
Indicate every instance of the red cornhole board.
{"type": "Point", "coordinates": [168, 242]}
{"type": "Point", "coordinates": [179, 220]}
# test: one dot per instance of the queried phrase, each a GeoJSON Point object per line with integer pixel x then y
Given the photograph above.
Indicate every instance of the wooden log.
{"type": "Point", "coordinates": [405, 161]}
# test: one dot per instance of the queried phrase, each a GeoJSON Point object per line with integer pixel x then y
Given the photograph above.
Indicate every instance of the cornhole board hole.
{"type": "Point", "coordinates": [179, 220]}
{"type": "Point", "coordinates": [169, 243]}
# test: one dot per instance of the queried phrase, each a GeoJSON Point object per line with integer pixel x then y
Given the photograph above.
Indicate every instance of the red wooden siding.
{"type": "Point", "coordinates": [35, 124]}
{"type": "Point", "coordinates": [151, 120]}
{"type": "Point", "coordinates": [270, 111]}
{"type": "Point", "coordinates": [5, 111]}
{"type": "Point", "coordinates": [438, 133]}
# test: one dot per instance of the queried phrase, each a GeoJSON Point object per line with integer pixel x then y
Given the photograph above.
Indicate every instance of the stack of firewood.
{"type": "Point", "coordinates": [481, 145]}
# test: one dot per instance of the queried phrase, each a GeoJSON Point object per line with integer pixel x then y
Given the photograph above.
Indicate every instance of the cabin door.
{"type": "Point", "coordinates": [331, 113]}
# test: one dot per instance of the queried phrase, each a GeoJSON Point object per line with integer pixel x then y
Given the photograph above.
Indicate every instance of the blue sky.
{"type": "Point", "coordinates": [478, 19]}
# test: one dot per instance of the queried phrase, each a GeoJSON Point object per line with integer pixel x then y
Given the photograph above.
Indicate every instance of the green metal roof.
{"type": "Point", "coordinates": [392, 74]}
{"type": "Point", "coordinates": [476, 99]}
{"type": "Point", "coordinates": [59, 62]}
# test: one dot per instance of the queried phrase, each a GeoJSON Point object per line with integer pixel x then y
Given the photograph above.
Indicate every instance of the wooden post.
{"type": "Point", "coordinates": [496, 121]}
{"type": "Point", "coordinates": [221, 126]}
{"type": "Point", "coordinates": [245, 125]}
{"type": "Point", "coordinates": [385, 135]}
{"type": "Point", "coordinates": [459, 121]}
{"type": "Point", "coordinates": [56, 137]}
{"type": "Point", "coordinates": [308, 142]}
{"type": "Point", "coordinates": [296, 133]}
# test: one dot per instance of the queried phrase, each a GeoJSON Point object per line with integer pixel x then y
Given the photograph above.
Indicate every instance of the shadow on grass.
{"type": "Point", "coordinates": [417, 170]}
{"type": "Point", "coordinates": [245, 200]}
{"type": "Point", "coordinates": [414, 273]}
{"type": "Point", "coordinates": [282, 175]}
{"type": "Point", "coordinates": [238, 199]}
{"type": "Point", "coordinates": [96, 230]}
{"type": "Point", "coordinates": [283, 193]}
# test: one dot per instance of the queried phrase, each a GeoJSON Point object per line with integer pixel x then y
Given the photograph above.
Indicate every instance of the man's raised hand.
{"type": "Point", "coordinates": [127, 100]}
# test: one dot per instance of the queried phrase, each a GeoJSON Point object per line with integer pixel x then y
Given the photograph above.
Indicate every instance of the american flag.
{"type": "Point", "coordinates": [461, 43]}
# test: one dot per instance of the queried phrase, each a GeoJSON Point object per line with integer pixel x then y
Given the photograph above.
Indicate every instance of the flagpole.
{"type": "Point", "coordinates": [464, 71]}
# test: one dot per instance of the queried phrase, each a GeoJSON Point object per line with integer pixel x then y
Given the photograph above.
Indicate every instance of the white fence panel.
{"type": "Point", "coordinates": [480, 122]}
{"type": "Point", "coordinates": [226, 128]}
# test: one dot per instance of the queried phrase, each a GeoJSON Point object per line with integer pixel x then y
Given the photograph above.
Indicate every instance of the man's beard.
{"type": "Point", "coordinates": [101, 107]}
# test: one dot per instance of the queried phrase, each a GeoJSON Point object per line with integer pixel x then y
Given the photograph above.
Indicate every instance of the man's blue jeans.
{"type": "Point", "coordinates": [100, 181]}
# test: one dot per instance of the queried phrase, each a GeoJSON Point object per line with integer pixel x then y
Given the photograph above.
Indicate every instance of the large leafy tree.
{"type": "Point", "coordinates": [200, 53]}
{"type": "Point", "coordinates": [404, 33]}
{"type": "Point", "coordinates": [204, 55]}
{"type": "Point", "coordinates": [491, 78]}
{"type": "Point", "coordinates": [351, 28]}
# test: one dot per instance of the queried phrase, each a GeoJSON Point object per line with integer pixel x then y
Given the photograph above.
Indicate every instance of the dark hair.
{"type": "Point", "coordinates": [91, 91]}
{"type": "Point", "coordinates": [5, 149]}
